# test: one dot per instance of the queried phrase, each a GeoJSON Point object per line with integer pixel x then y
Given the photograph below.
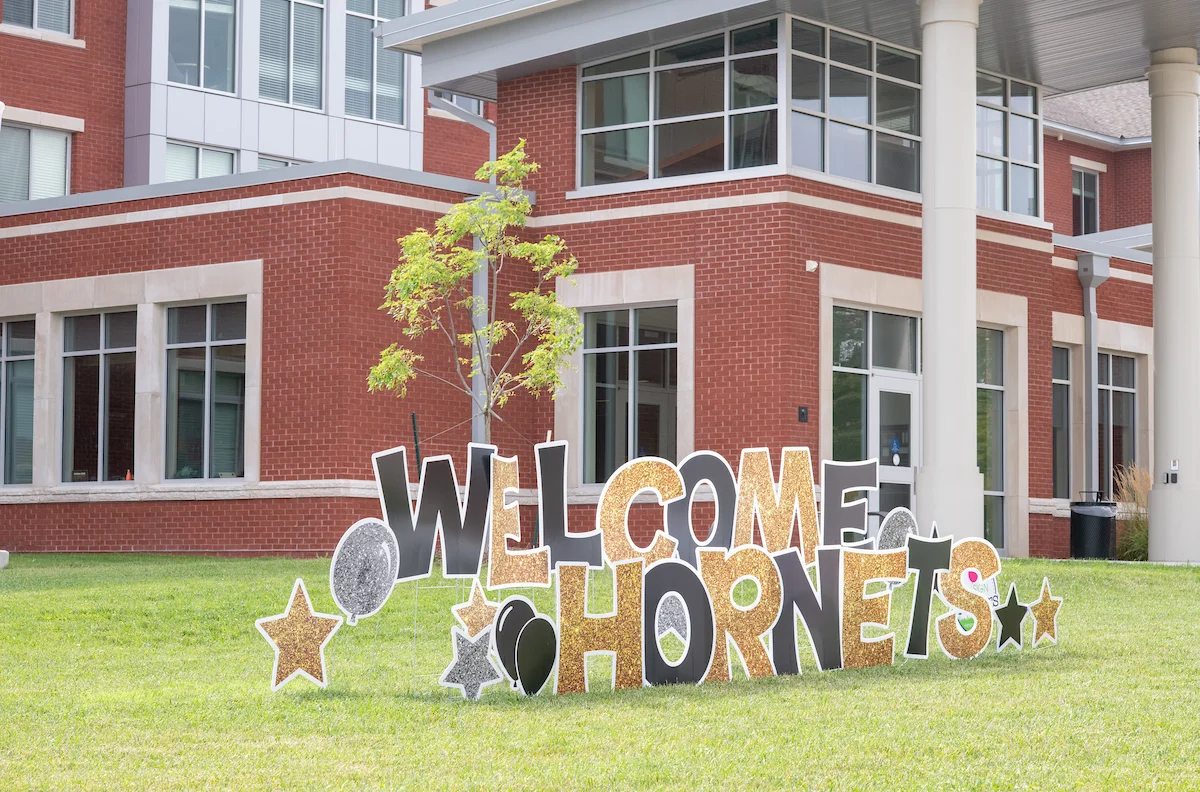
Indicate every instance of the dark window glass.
{"type": "Point", "coordinates": [616, 101]}
{"type": "Point", "coordinates": [82, 333]}
{"type": "Point", "coordinates": [849, 416]}
{"type": "Point", "coordinates": [18, 420]}
{"type": "Point", "coordinates": [690, 147]}
{"type": "Point", "coordinates": [808, 84]}
{"type": "Point", "coordinates": [1123, 372]}
{"type": "Point", "coordinates": [849, 338]}
{"type": "Point", "coordinates": [1085, 202]}
{"type": "Point", "coordinates": [120, 393]}
{"type": "Point", "coordinates": [897, 162]}
{"type": "Point", "coordinates": [991, 438]}
{"type": "Point", "coordinates": [753, 139]}
{"type": "Point", "coordinates": [606, 383]}
{"type": "Point", "coordinates": [1061, 440]}
{"type": "Point", "coordinates": [897, 63]}
{"type": "Point", "coordinates": [81, 418]}
{"type": "Point", "coordinates": [186, 389]}
{"type": "Point", "coordinates": [228, 412]}
{"type": "Point", "coordinates": [639, 61]}
{"type": "Point", "coordinates": [898, 107]}
{"type": "Point", "coordinates": [1024, 190]}
{"type": "Point", "coordinates": [989, 89]}
{"type": "Point", "coordinates": [850, 50]}
{"type": "Point", "coordinates": [691, 90]}
{"type": "Point", "coordinates": [753, 81]}
{"type": "Point", "coordinates": [22, 337]}
{"type": "Point", "coordinates": [655, 420]}
{"type": "Point", "coordinates": [699, 49]}
{"type": "Point", "coordinates": [622, 155]}
{"type": "Point", "coordinates": [604, 329]}
{"type": "Point", "coordinates": [1023, 97]}
{"type": "Point", "coordinates": [1061, 366]}
{"type": "Point", "coordinates": [229, 321]}
{"type": "Point", "coordinates": [654, 325]}
{"type": "Point", "coordinates": [120, 330]}
{"type": "Point", "coordinates": [187, 325]}
{"type": "Point", "coordinates": [762, 36]}
{"type": "Point", "coordinates": [808, 38]}
{"type": "Point", "coordinates": [894, 342]}
{"type": "Point", "coordinates": [849, 95]}
{"type": "Point", "coordinates": [993, 520]}
{"type": "Point", "coordinates": [989, 356]}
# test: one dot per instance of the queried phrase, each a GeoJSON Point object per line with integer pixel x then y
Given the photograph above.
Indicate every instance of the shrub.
{"type": "Point", "coordinates": [1133, 493]}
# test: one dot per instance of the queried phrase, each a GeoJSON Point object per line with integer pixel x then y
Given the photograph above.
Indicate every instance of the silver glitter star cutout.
{"type": "Point", "coordinates": [472, 668]}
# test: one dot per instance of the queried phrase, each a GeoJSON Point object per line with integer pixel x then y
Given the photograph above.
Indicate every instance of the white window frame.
{"type": "Point", "coordinates": [1003, 439]}
{"type": "Point", "coordinates": [871, 127]}
{"type": "Point", "coordinates": [653, 181]}
{"type": "Point", "coordinates": [291, 40]}
{"type": "Point", "coordinates": [1107, 482]}
{"type": "Point", "coordinates": [5, 359]}
{"type": "Point", "coordinates": [70, 31]}
{"type": "Point", "coordinates": [101, 431]}
{"type": "Point", "coordinates": [404, 70]}
{"type": "Point", "coordinates": [1007, 159]}
{"type": "Point", "coordinates": [37, 130]}
{"type": "Point", "coordinates": [235, 44]}
{"type": "Point", "coordinates": [1070, 433]}
{"type": "Point", "coordinates": [631, 349]}
{"type": "Point", "coordinates": [200, 158]}
{"type": "Point", "coordinates": [207, 345]}
{"type": "Point", "coordinates": [1085, 172]}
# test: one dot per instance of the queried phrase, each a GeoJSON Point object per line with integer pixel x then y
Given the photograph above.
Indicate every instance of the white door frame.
{"type": "Point", "coordinates": [890, 473]}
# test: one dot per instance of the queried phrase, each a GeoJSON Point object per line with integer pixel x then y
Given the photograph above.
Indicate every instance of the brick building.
{"type": "Point", "coordinates": [193, 258]}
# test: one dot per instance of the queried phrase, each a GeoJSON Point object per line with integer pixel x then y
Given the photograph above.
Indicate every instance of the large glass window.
{"type": "Point", "coordinates": [99, 390]}
{"type": "Point", "coordinates": [631, 383]}
{"type": "Point", "coordinates": [990, 425]}
{"type": "Point", "coordinates": [201, 43]}
{"type": "Point", "coordinates": [705, 105]}
{"type": "Point", "coordinates": [1117, 411]}
{"type": "Point", "coordinates": [16, 401]}
{"type": "Point", "coordinates": [1008, 146]}
{"type": "Point", "coordinates": [53, 15]}
{"type": "Point", "coordinates": [206, 391]}
{"type": "Point", "coordinates": [1085, 202]}
{"type": "Point", "coordinates": [291, 44]}
{"type": "Point", "coordinates": [856, 107]}
{"type": "Point", "coordinates": [196, 162]}
{"type": "Point", "coordinates": [34, 163]}
{"type": "Point", "coordinates": [1061, 423]}
{"type": "Point", "coordinates": [374, 75]}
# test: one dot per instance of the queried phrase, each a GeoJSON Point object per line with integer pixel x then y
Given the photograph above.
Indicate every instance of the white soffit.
{"type": "Point", "coordinates": [1065, 45]}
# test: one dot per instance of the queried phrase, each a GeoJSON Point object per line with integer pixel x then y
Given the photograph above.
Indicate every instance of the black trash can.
{"type": "Point", "coordinates": [1094, 529]}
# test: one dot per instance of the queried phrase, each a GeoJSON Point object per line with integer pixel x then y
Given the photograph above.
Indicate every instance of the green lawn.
{"type": "Point", "coordinates": [147, 672]}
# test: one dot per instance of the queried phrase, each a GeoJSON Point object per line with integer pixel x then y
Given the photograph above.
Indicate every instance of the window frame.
{"type": "Point", "coordinates": [1085, 173]}
{"type": "Point", "coordinates": [1007, 159]}
{"type": "Point", "coordinates": [453, 98]}
{"type": "Point", "coordinates": [101, 432]}
{"type": "Point", "coordinates": [69, 151]}
{"type": "Point", "coordinates": [285, 163]}
{"type": "Point", "coordinates": [652, 122]}
{"type": "Point", "coordinates": [1055, 383]}
{"type": "Point", "coordinates": [5, 359]}
{"type": "Point", "coordinates": [1107, 473]}
{"type": "Point", "coordinates": [631, 349]}
{"type": "Point", "coordinates": [291, 42]}
{"type": "Point", "coordinates": [404, 70]}
{"type": "Point", "coordinates": [200, 148]}
{"type": "Point", "coordinates": [871, 127]}
{"type": "Point", "coordinates": [235, 44]}
{"type": "Point", "coordinates": [207, 345]}
{"type": "Point", "coordinates": [70, 31]}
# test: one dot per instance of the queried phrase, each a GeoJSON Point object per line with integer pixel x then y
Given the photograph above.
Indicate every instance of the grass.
{"type": "Point", "coordinates": [147, 672]}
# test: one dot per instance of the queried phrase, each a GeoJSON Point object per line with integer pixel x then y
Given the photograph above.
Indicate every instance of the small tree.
{"type": "Point", "coordinates": [523, 345]}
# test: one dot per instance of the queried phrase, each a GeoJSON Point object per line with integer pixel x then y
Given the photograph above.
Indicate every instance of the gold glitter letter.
{"type": "Point", "coordinates": [647, 473]}
{"type": "Point", "coordinates": [508, 568]}
{"type": "Point", "coordinates": [618, 633]}
{"type": "Point", "coordinates": [777, 506]}
{"type": "Point", "coordinates": [980, 556]}
{"type": "Point", "coordinates": [746, 626]}
{"type": "Point", "coordinates": [858, 568]}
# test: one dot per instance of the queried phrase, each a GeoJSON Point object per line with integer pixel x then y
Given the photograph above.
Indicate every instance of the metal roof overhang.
{"type": "Point", "coordinates": [1065, 45]}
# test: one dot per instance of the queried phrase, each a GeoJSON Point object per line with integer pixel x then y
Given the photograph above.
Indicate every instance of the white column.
{"type": "Point", "coordinates": [949, 485]}
{"type": "Point", "coordinates": [1175, 506]}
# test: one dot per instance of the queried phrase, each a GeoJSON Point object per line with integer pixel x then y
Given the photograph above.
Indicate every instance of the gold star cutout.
{"type": "Point", "coordinates": [1045, 615]}
{"type": "Point", "coordinates": [476, 615]}
{"type": "Point", "coordinates": [299, 637]}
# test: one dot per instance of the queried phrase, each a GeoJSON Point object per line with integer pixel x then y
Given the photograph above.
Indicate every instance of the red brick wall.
{"type": "Point", "coordinates": [1133, 191]}
{"type": "Point", "coordinates": [454, 147]}
{"type": "Point", "coordinates": [83, 83]}
{"type": "Point", "coordinates": [1058, 182]}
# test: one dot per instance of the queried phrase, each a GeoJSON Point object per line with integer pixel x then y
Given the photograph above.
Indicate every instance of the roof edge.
{"type": "Point", "coordinates": [411, 33]}
{"type": "Point", "coordinates": [1095, 139]}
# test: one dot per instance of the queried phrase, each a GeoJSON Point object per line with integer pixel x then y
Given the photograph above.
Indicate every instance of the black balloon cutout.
{"type": "Point", "coordinates": [537, 651]}
{"type": "Point", "coordinates": [514, 614]}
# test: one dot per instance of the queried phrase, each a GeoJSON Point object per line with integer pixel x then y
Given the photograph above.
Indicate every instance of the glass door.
{"type": "Point", "coordinates": [895, 437]}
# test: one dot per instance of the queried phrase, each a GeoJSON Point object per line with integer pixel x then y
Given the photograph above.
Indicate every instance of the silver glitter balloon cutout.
{"type": "Point", "coordinates": [895, 530]}
{"type": "Point", "coordinates": [363, 570]}
{"type": "Point", "coordinates": [472, 668]}
{"type": "Point", "coordinates": [672, 617]}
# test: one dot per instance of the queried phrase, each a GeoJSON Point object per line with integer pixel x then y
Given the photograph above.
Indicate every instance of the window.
{"type": "Point", "coordinates": [291, 43]}
{"type": "Point", "coordinates": [273, 163]}
{"type": "Point", "coordinates": [34, 163]}
{"type": "Point", "coordinates": [206, 391]}
{"type": "Point", "coordinates": [865, 341]}
{"type": "Point", "coordinates": [1085, 201]}
{"type": "Point", "coordinates": [1116, 411]}
{"type": "Point", "coordinates": [701, 106]}
{"type": "Point", "coordinates": [374, 75]}
{"type": "Point", "coordinates": [194, 162]}
{"type": "Point", "coordinates": [99, 390]}
{"type": "Point", "coordinates": [1008, 146]}
{"type": "Point", "coordinates": [856, 107]}
{"type": "Point", "coordinates": [630, 362]}
{"type": "Point", "coordinates": [16, 400]}
{"type": "Point", "coordinates": [53, 15]}
{"type": "Point", "coordinates": [990, 425]}
{"type": "Point", "coordinates": [465, 102]}
{"type": "Point", "coordinates": [1061, 423]}
{"type": "Point", "coordinates": [201, 43]}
